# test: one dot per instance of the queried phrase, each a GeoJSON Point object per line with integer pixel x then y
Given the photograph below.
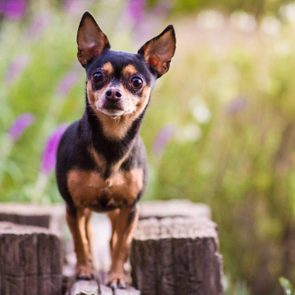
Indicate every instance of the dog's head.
{"type": "Point", "coordinates": [120, 83]}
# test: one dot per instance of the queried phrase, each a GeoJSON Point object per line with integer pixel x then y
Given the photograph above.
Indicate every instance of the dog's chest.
{"type": "Point", "coordinates": [89, 189]}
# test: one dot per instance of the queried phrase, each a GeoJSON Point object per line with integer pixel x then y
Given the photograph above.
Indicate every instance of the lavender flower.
{"type": "Point", "coordinates": [74, 7]}
{"type": "Point", "coordinates": [236, 105]}
{"type": "Point", "coordinates": [162, 9]}
{"type": "Point", "coordinates": [38, 25]}
{"type": "Point", "coordinates": [21, 123]}
{"type": "Point", "coordinates": [67, 82]}
{"type": "Point", "coordinates": [13, 9]}
{"type": "Point", "coordinates": [16, 68]}
{"type": "Point", "coordinates": [162, 139]}
{"type": "Point", "coordinates": [136, 9]}
{"type": "Point", "coordinates": [49, 153]}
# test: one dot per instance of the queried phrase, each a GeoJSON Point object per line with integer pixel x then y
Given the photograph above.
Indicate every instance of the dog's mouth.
{"type": "Point", "coordinates": [112, 107]}
{"type": "Point", "coordinates": [112, 112]}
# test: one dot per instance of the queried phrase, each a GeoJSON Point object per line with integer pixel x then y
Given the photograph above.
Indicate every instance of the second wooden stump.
{"type": "Point", "coordinates": [176, 255]}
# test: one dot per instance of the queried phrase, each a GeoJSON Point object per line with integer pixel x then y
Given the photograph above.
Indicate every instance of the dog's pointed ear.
{"type": "Point", "coordinates": [91, 39]}
{"type": "Point", "coordinates": [159, 51]}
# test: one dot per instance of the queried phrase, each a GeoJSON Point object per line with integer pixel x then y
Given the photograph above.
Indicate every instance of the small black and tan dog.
{"type": "Point", "coordinates": [101, 163]}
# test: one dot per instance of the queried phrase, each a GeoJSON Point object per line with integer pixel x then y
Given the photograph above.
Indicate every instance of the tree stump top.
{"type": "Point", "coordinates": [174, 208]}
{"type": "Point", "coordinates": [17, 229]}
{"type": "Point", "coordinates": [177, 227]}
{"type": "Point", "coordinates": [51, 217]}
{"type": "Point", "coordinates": [31, 209]}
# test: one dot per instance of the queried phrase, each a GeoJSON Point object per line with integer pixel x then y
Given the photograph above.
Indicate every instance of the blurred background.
{"type": "Point", "coordinates": [220, 128]}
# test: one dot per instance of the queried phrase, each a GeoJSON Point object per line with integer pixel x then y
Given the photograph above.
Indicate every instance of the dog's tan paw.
{"type": "Point", "coordinates": [117, 281]}
{"type": "Point", "coordinates": [84, 273]}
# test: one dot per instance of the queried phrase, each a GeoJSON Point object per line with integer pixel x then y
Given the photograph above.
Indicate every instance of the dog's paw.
{"type": "Point", "coordinates": [84, 273]}
{"type": "Point", "coordinates": [117, 281]}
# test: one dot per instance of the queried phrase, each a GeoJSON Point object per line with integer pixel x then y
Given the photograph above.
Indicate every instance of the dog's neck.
{"type": "Point", "coordinates": [112, 149]}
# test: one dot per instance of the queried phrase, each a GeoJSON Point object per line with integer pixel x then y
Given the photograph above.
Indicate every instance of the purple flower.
{"type": "Point", "coordinates": [74, 7]}
{"type": "Point", "coordinates": [162, 139]}
{"type": "Point", "coordinates": [67, 82]}
{"type": "Point", "coordinates": [38, 25]}
{"type": "Point", "coordinates": [13, 9]}
{"type": "Point", "coordinates": [162, 9]}
{"type": "Point", "coordinates": [236, 105]}
{"type": "Point", "coordinates": [136, 9]}
{"type": "Point", "coordinates": [16, 68]}
{"type": "Point", "coordinates": [20, 124]}
{"type": "Point", "coordinates": [50, 150]}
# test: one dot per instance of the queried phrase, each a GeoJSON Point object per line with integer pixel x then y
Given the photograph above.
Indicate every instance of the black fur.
{"type": "Point", "coordinates": [88, 132]}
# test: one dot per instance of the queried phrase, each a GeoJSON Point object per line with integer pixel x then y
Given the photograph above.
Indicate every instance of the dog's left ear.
{"type": "Point", "coordinates": [158, 51]}
{"type": "Point", "coordinates": [91, 39]}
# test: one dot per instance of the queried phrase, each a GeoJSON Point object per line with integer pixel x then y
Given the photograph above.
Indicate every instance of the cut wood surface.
{"type": "Point", "coordinates": [176, 255]}
{"type": "Point", "coordinates": [30, 260]}
{"type": "Point", "coordinates": [84, 287]}
{"type": "Point", "coordinates": [173, 208]}
{"type": "Point", "coordinates": [51, 217]}
{"type": "Point", "coordinates": [128, 291]}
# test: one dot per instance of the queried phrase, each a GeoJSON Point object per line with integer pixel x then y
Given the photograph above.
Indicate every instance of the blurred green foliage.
{"type": "Point", "coordinates": [257, 8]}
{"type": "Point", "coordinates": [228, 98]}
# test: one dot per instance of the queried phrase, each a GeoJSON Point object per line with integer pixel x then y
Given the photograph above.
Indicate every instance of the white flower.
{"type": "Point", "coordinates": [270, 25]}
{"type": "Point", "coordinates": [210, 19]}
{"type": "Point", "coordinates": [243, 21]}
{"type": "Point", "coordinates": [200, 110]}
{"type": "Point", "coordinates": [288, 12]}
{"type": "Point", "coordinates": [191, 132]}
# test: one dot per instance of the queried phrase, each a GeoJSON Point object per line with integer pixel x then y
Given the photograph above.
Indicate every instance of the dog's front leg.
{"type": "Point", "coordinates": [124, 228]}
{"type": "Point", "coordinates": [78, 226]}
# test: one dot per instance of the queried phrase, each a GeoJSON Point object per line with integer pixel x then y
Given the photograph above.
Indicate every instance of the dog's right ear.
{"type": "Point", "coordinates": [91, 39]}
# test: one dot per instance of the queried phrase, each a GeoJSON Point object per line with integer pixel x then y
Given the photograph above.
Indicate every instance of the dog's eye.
{"type": "Point", "coordinates": [98, 77]}
{"type": "Point", "coordinates": [136, 82]}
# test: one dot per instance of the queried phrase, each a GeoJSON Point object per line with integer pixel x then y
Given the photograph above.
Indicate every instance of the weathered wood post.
{"type": "Point", "coordinates": [30, 260]}
{"type": "Point", "coordinates": [50, 217]}
{"type": "Point", "coordinates": [175, 251]}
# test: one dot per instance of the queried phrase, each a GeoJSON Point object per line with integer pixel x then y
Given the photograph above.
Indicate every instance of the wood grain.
{"type": "Point", "coordinates": [176, 254]}
{"type": "Point", "coordinates": [30, 259]}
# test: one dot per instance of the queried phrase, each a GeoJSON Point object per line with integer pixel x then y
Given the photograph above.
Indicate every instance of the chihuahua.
{"type": "Point", "coordinates": [101, 162]}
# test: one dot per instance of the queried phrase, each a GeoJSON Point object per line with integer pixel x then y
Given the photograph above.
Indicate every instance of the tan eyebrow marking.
{"type": "Point", "coordinates": [129, 70]}
{"type": "Point", "coordinates": [108, 67]}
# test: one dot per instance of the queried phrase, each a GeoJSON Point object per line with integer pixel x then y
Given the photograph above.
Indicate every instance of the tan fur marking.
{"type": "Point", "coordinates": [99, 160]}
{"type": "Point", "coordinates": [124, 228]}
{"type": "Point", "coordinates": [121, 188]}
{"type": "Point", "coordinates": [78, 227]}
{"type": "Point", "coordinates": [129, 70]}
{"type": "Point", "coordinates": [116, 128]}
{"type": "Point", "coordinates": [101, 163]}
{"type": "Point", "coordinates": [113, 215]}
{"type": "Point", "coordinates": [108, 68]}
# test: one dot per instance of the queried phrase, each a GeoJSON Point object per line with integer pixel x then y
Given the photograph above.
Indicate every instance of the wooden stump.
{"type": "Point", "coordinates": [51, 217]}
{"type": "Point", "coordinates": [176, 255]}
{"type": "Point", "coordinates": [30, 261]}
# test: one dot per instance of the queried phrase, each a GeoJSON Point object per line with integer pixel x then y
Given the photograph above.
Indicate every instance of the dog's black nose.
{"type": "Point", "coordinates": [113, 95]}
